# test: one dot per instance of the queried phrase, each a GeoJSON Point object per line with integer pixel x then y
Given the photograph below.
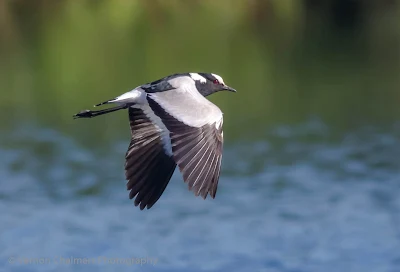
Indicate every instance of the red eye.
{"type": "Point", "coordinates": [216, 81]}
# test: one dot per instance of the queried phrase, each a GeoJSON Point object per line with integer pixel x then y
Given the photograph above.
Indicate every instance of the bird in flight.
{"type": "Point", "coordinates": [172, 123]}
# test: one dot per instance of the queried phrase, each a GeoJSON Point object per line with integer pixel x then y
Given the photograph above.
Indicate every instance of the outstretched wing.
{"type": "Point", "coordinates": [148, 167]}
{"type": "Point", "coordinates": [197, 141]}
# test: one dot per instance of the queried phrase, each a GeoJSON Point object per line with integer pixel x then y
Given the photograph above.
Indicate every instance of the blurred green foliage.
{"type": "Point", "coordinates": [288, 59]}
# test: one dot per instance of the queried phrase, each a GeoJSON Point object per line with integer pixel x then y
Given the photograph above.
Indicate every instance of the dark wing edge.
{"type": "Point", "coordinates": [148, 169]}
{"type": "Point", "coordinates": [196, 150]}
{"type": "Point", "coordinates": [160, 85]}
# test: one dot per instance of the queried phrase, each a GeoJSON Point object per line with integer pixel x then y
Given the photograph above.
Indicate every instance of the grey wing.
{"type": "Point", "coordinates": [148, 168]}
{"type": "Point", "coordinates": [196, 150]}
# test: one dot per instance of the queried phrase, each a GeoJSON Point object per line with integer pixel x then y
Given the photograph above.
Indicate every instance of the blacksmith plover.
{"type": "Point", "coordinates": [172, 123]}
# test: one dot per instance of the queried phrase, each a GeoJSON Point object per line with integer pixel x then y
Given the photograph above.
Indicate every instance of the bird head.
{"type": "Point", "coordinates": [209, 83]}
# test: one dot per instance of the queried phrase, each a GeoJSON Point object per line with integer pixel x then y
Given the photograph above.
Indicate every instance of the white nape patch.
{"type": "Point", "coordinates": [157, 122]}
{"type": "Point", "coordinates": [219, 78]}
{"type": "Point", "coordinates": [196, 76]}
{"type": "Point", "coordinates": [137, 96]}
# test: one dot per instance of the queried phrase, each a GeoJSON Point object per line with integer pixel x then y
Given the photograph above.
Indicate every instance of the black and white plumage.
{"type": "Point", "coordinates": [172, 124]}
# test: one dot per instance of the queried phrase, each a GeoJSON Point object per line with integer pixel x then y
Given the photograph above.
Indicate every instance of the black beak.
{"type": "Point", "coordinates": [227, 88]}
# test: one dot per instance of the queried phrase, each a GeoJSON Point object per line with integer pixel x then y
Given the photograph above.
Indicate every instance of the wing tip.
{"type": "Point", "coordinates": [201, 192]}
{"type": "Point", "coordinates": [142, 204]}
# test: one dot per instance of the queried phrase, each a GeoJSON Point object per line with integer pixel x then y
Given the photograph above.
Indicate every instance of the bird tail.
{"type": "Point", "coordinates": [124, 101]}
{"type": "Point", "coordinates": [90, 114]}
{"type": "Point", "coordinates": [106, 102]}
